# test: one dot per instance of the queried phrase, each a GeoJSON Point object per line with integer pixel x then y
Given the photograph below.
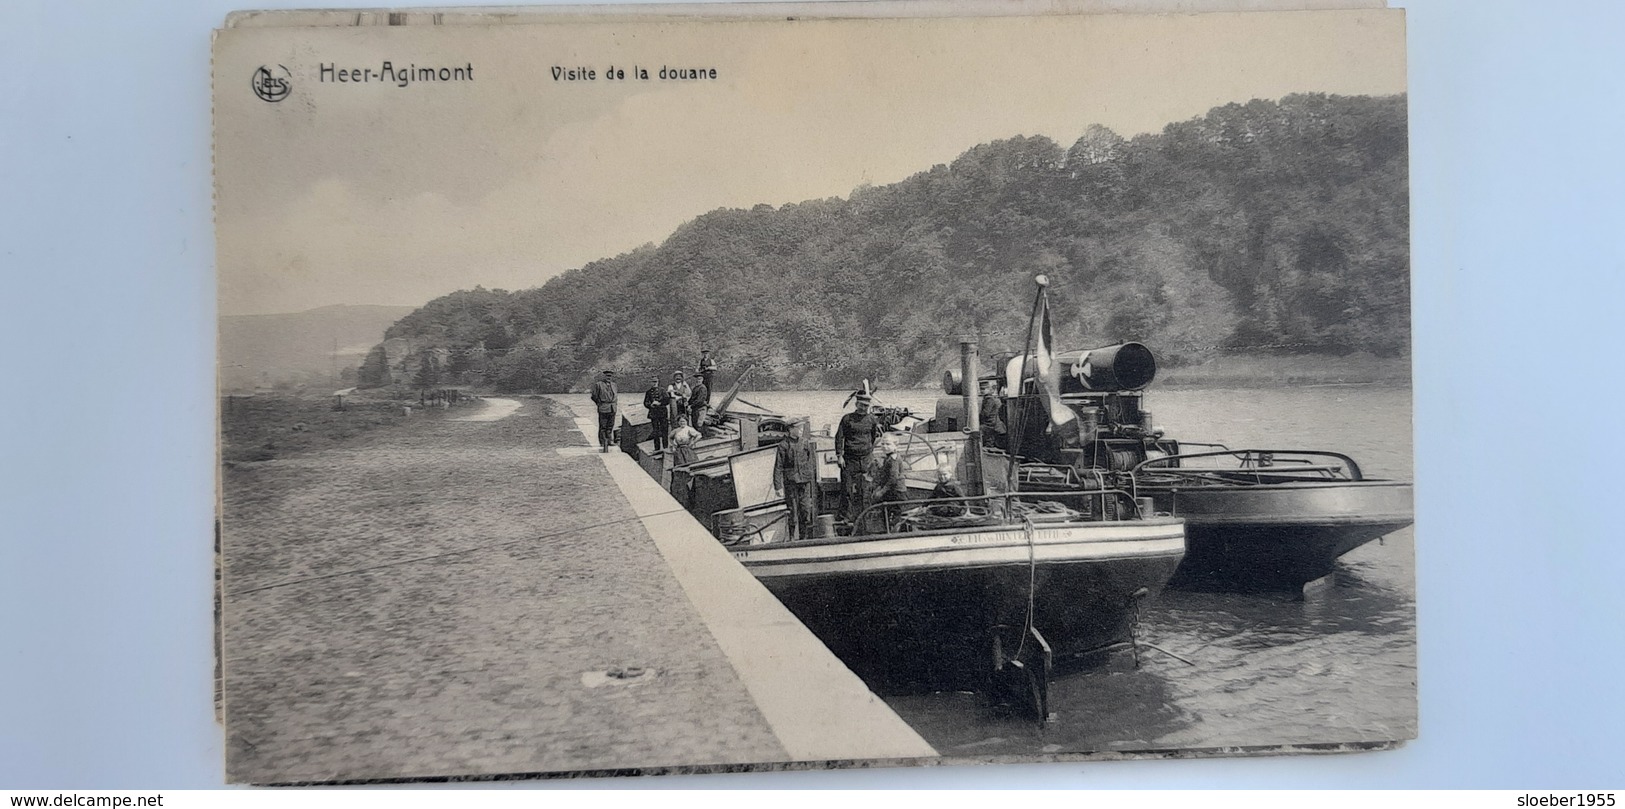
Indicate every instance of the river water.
{"type": "Point", "coordinates": [1335, 666]}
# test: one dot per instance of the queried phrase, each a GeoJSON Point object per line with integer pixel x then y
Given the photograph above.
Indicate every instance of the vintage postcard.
{"type": "Point", "coordinates": [763, 10]}
{"type": "Point", "coordinates": [657, 394]}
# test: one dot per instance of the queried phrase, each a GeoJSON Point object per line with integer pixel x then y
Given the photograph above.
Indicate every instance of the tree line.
{"type": "Point", "coordinates": [1267, 227]}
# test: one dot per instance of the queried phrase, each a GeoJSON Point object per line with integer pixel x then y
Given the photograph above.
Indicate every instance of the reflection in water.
{"type": "Point", "coordinates": [1116, 707]}
{"type": "Point", "coordinates": [1337, 665]}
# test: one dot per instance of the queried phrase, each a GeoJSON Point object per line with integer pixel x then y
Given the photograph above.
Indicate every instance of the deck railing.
{"type": "Point", "coordinates": [1256, 465]}
{"type": "Point", "coordinates": [1007, 507]}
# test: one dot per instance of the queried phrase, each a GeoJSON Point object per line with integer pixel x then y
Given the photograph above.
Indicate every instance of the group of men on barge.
{"type": "Point", "coordinates": [672, 407]}
{"type": "Point", "coordinates": [871, 469]}
{"type": "Point", "coordinates": [871, 472]}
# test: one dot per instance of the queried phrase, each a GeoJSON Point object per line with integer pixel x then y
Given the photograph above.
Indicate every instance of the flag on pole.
{"type": "Point", "coordinates": [1048, 369]}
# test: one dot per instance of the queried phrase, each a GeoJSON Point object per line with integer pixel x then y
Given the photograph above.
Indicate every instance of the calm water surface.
{"type": "Point", "coordinates": [1338, 665]}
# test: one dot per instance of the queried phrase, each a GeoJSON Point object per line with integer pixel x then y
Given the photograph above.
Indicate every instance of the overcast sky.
{"type": "Point", "coordinates": [376, 194]}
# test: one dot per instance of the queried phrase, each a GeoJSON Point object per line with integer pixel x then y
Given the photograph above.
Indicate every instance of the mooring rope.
{"type": "Point", "coordinates": [1032, 584]}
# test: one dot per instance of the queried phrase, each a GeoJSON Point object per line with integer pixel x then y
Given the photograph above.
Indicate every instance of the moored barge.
{"type": "Point", "coordinates": [988, 590]}
{"type": "Point", "coordinates": [1255, 519]}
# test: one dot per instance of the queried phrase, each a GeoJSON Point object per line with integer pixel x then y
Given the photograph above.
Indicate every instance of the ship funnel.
{"type": "Point", "coordinates": [1125, 366]}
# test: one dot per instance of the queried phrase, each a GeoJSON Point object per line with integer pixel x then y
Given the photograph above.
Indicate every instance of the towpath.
{"type": "Point", "coordinates": [461, 598]}
{"type": "Point", "coordinates": [493, 409]}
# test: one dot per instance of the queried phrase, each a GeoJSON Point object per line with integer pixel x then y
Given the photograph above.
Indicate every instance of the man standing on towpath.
{"type": "Point", "coordinates": [603, 395]}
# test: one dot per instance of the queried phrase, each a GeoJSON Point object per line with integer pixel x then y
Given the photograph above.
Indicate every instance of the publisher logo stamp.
{"type": "Point", "coordinates": [272, 83]}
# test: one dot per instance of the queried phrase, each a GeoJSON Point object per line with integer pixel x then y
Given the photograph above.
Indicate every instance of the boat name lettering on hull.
{"type": "Point", "coordinates": [1004, 536]}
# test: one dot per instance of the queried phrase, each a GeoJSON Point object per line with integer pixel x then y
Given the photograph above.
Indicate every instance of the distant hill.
{"type": "Point", "coordinates": [1267, 227]}
{"type": "Point", "coordinates": [298, 348]}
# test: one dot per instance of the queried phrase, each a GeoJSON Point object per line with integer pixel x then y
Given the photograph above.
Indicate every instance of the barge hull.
{"type": "Point", "coordinates": [1278, 536]}
{"type": "Point", "coordinates": [935, 628]}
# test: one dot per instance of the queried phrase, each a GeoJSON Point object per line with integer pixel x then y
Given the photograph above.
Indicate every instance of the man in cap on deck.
{"type": "Point", "coordinates": [994, 431]}
{"type": "Point", "coordinates": [795, 477]}
{"type": "Point", "coordinates": [707, 368]}
{"type": "Point", "coordinates": [854, 442]}
{"type": "Point", "coordinates": [658, 402]}
{"type": "Point", "coordinates": [699, 400]}
{"type": "Point", "coordinates": [604, 395]}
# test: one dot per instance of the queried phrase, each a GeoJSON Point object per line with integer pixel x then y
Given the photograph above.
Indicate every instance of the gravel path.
{"type": "Point", "coordinates": [447, 598]}
{"type": "Point", "coordinates": [493, 409]}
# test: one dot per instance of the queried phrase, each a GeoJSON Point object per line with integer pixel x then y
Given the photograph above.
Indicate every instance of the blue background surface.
{"type": "Point", "coordinates": [106, 425]}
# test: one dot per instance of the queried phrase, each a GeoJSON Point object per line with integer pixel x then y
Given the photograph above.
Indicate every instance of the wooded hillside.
{"type": "Point", "coordinates": [1260, 227]}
